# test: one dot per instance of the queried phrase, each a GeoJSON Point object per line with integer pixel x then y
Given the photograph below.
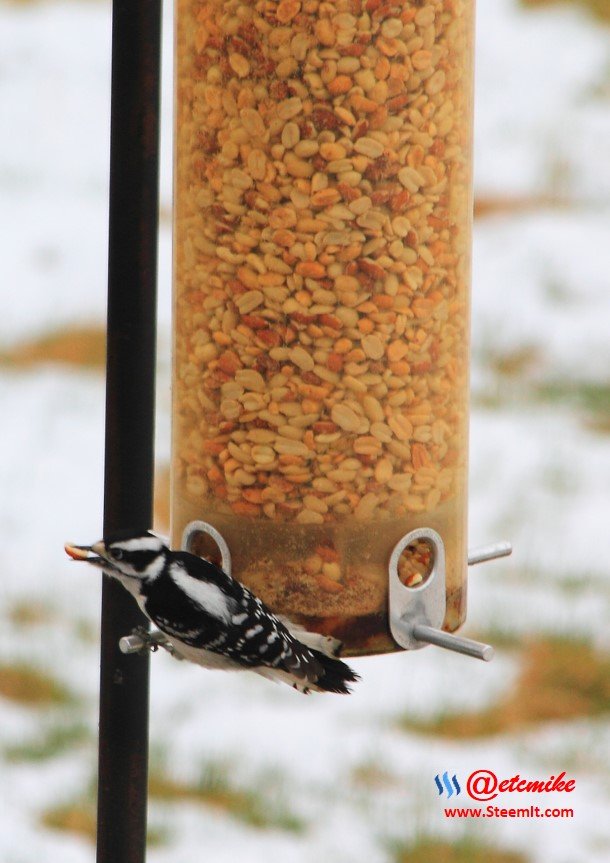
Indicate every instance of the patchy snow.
{"type": "Point", "coordinates": [542, 125]}
{"type": "Point", "coordinates": [539, 281]}
{"type": "Point", "coordinates": [538, 475]}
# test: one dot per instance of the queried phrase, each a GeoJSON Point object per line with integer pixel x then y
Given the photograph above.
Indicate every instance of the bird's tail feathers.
{"type": "Point", "coordinates": [336, 676]}
{"type": "Point", "coordinates": [332, 675]}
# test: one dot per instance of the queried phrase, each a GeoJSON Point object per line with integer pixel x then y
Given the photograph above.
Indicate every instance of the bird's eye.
{"type": "Point", "coordinates": [118, 553]}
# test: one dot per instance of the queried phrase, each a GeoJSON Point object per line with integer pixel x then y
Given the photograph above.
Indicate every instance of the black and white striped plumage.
{"type": "Point", "coordinates": [213, 620]}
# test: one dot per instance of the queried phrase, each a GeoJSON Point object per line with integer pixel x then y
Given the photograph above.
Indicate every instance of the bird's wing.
{"type": "Point", "coordinates": [250, 634]}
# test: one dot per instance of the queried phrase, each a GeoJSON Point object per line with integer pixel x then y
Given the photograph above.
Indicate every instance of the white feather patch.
{"type": "Point", "coordinates": [209, 596]}
{"type": "Point", "coordinates": [154, 569]}
{"type": "Point", "coordinates": [139, 543]}
{"type": "Point", "coordinates": [205, 658]}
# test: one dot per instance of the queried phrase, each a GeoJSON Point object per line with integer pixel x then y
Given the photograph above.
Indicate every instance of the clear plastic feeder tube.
{"type": "Point", "coordinates": [322, 256]}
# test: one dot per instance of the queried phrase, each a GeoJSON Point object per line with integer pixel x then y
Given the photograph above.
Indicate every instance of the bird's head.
{"type": "Point", "coordinates": [128, 555]}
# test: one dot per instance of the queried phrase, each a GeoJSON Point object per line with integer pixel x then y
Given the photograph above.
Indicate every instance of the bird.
{"type": "Point", "coordinates": [213, 620]}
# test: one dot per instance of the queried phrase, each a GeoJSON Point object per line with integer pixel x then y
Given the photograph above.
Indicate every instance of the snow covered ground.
{"type": "Point", "coordinates": [540, 470]}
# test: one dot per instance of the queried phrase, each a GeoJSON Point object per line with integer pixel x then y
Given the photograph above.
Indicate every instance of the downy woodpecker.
{"type": "Point", "coordinates": [211, 619]}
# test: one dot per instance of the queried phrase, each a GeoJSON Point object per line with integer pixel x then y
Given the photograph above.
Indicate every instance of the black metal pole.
{"type": "Point", "coordinates": [128, 482]}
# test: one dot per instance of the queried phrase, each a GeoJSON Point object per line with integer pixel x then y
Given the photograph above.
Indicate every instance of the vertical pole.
{"type": "Point", "coordinates": [128, 481]}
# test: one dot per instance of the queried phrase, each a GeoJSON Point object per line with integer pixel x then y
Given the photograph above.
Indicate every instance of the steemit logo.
{"type": "Point", "coordinates": [449, 785]}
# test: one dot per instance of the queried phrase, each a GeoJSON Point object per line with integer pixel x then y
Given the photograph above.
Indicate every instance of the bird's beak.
{"type": "Point", "coordinates": [94, 554]}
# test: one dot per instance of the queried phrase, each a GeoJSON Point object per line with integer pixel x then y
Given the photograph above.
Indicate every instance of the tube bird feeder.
{"type": "Point", "coordinates": [322, 235]}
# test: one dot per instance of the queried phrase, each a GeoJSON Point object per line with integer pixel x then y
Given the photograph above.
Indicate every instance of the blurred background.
{"type": "Point", "coordinates": [241, 769]}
